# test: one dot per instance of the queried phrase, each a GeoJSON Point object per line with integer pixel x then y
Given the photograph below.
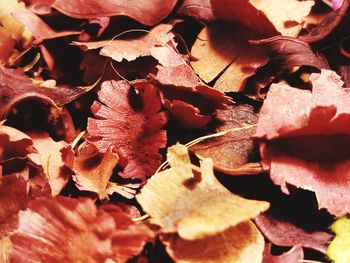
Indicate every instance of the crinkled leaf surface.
{"type": "Point", "coordinates": [145, 12]}
{"type": "Point", "coordinates": [338, 250]}
{"type": "Point", "coordinates": [195, 206]}
{"type": "Point", "coordinates": [137, 135]}
{"type": "Point", "coordinates": [74, 230]}
{"type": "Point", "coordinates": [198, 9]}
{"type": "Point", "coordinates": [304, 140]}
{"type": "Point", "coordinates": [240, 244]}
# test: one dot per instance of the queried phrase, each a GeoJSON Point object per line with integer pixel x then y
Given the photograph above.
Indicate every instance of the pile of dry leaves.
{"type": "Point", "coordinates": [174, 131]}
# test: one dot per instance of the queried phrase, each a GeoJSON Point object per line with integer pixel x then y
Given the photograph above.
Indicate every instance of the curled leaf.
{"type": "Point", "coordinates": [304, 141]}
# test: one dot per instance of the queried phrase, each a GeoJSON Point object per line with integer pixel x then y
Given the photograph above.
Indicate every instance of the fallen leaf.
{"type": "Point", "coordinates": [16, 87]}
{"type": "Point", "coordinates": [198, 9]}
{"type": "Point", "coordinates": [287, 53]}
{"type": "Point", "coordinates": [193, 108]}
{"type": "Point", "coordinates": [146, 12]}
{"type": "Point", "coordinates": [17, 30]}
{"type": "Point", "coordinates": [338, 250]}
{"type": "Point", "coordinates": [172, 68]}
{"type": "Point", "coordinates": [39, 29]}
{"type": "Point", "coordinates": [295, 254]}
{"type": "Point", "coordinates": [7, 45]}
{"type": "Point", "coordinates": [136, 135]}
{"type": "Point", "coordinates": [304, 141]}
{"type": "Point", "coordinates": [19, 156]}
{"type": "Point", "coordinates": [266, 17]}
{"type": "Point", "coordinates": [93, 171]}
{"type": "Point", "coordinates": [63, 229]}
{"type": "Point", "coordinates": [280, 232]}
{"type": "Point", "coordinates": [224, 52]}
{"type": "Point", "coordinates": [232, 152]}
{"type": "Point", "coordinates": [131, 48]}
{"type": "Point", "coordinates": [193, 208]}
{"type": "Point", "coordinates": [239, 244]}
{"type": "Point", "coordinates": [13, 197]}
{"type": "Point", "coordinates": [50, 155]}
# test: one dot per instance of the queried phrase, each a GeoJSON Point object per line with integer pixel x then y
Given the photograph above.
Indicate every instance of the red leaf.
{"type": "Point", "coordinates": [136, 135]}
{"type": "Point", "coordinates": [74, 230]}
{"type": "Point", "coordinates": [146, 12]}
{"type": "Point", "coordinates": [305, 140]}
{"type": "Point", "coordinates": [198, 9]}
{"type": "Point", "coordinates": [16, 87]}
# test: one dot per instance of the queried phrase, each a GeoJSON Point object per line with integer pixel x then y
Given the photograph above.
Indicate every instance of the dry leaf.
{"type": "Point", "coordinates": [233, 152]}
{"type": "Point", "coordinates": [50, 155]}
{"type": "Point", "coordinates": [305, 139]}
{"type": "Point", "coordinates": [193, 208]}
{"type": "Point", "coordinates": [295, 254]}
{"type": "Point", "coordinates": [240, 244]}
{"type": "Point", "coordinates": [146, 12]}
{"type": "Point", "coordinates": [267, 17]}
{"type": "Point", "coordinates": [223, 51]}
{"type": "Point", "coordinates": [137, 135]}
{"type": "Point", "coordinates": [69, 230]}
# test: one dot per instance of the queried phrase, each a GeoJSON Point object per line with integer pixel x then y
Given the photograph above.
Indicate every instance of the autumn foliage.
{"type": "Point", "coordinates": [174, 131]}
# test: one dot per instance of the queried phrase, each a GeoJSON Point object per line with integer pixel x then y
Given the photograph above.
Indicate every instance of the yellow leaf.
{"type": "Point", "coordinates": [17, 30]}
{"type": "Point", "coordinates": [339, 249]}
{"type": "Point", "coordinates": [191, 204]}
{"type": "Point", "coordinates": [240, 244]}
{"type": "Point", "coordinates": [267, 17]}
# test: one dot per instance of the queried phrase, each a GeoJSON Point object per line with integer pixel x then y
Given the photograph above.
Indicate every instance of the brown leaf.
{"type": "Point", "coordinates": [304, 141]}
{"type": "Point", "coordinates": [194, 208]}
{"type": "Point", "coordinates": [224, 52]}
{"type": "Point", "coordinates": [7, 45]}
{"type": "Point", "coordinates": [232, 152]}
{"type": "Point", "coordinates": [74, 230]}
{"type": "Point", "coordinates": [287, 52]}
{"type": "Point", "coordinates": [13, 198]}
{"type": "Point", "coordinates": [283, 233]}
{"type": "Point", "coordinates": [16, 87]}
{"type": "Point", "coordinates": [198, 9]}
{"type": "Point", "coordinates": [146, 12]}
{"type": "Point", "coordinates": [266, 17]}
{"type": "Point", "coordinates": [39, 29]}
{"type": "Point", "coordinates": [240, 244]}
{"type": "Point", "coordinates": [94, 169]}
{"type": "Point", "coordinates": [18, 156]}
